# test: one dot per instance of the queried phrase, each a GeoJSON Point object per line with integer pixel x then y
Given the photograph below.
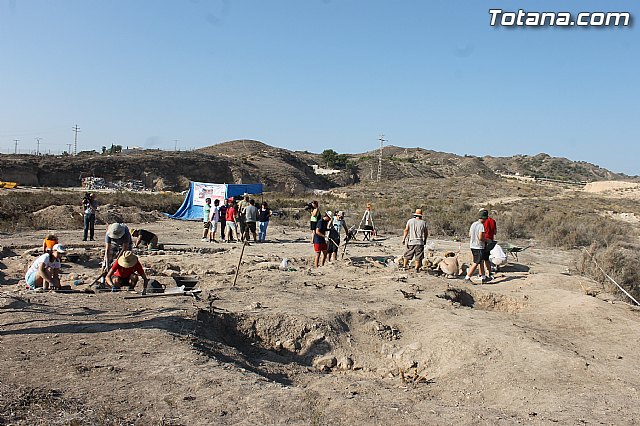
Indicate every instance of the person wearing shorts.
{"type": "Point", "coordinates": [44, 271]}
{"type": "Point", "coordinates": [415, 236]}
{"type": "Point", "coordinates": [320, 240]}
{"type": "Point", "coordinates": [489, 240]}
{"type": "Point", "coordinates": [477, 245]}
{"type": "Point", "coordinates": [214, 218]}
{"type": "Point", "coordinates": [251, 220]}
{"type": "Point", "coordinates": [125, 272]}
{"type": "Point", "coordinates": [230, 232]}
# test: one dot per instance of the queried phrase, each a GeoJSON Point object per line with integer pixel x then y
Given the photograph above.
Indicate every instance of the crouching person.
{"type": "Point", "coordinates": [125, 272]}
{"type": "Point", "coordinates": [45, 270]}
{"type": "Point", "coordinates": [145, 238]}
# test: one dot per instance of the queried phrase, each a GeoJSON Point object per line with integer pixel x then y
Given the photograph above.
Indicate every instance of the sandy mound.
{"type": "Point", "coordinates": [610, 185]}
{"type": "Point", "coordinates": [69, 217]}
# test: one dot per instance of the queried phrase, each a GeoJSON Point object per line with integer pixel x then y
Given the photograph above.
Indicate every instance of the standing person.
{"type": "Point", "coordinates": [416, 232]}
{"type": "Point", "coordinates": [476, 243]}
{"type": "Point", "coordinates": [48, 243]}
{"type": "Point", "coordinates": [316, 216]}
{"type": "Point", "coordinates": [222, 213]}
{"type": "Point", "coordinates": [214, 218]}
{"type": "Point", "coordinates": [336, 225]}
{"type": "Point", "coordinates": [231, 231]}
{"type": "Point", "coordinates": [125, 272]}
{"type": "Point", "coordinates": [44, 271]}
{"type": "Point", "coordinates": [242, 218]}
{"type": "Point", "coordinates": [367, 223]}
{"type": "Point", "coordinates": [116, 240]}
{"type": "Point", "coordinates": [320, 239]}
{"type": "Point", "coordinates": [251, 218]}
{"type": "Point", "coordinates": [89, 206]}
{"type": "Point", "coordinates": [206, 210]}
{"type": "Point", "coordinates": [490, 230]}
{"type": "Point", "coordinates": [264, 215]}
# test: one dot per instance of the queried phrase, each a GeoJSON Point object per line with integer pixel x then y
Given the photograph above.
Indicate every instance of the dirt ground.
{"type": "Point", "coordinates": [340, 345]}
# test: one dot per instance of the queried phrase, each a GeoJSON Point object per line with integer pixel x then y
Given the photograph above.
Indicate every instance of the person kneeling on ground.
{"type": "Point", "coordinates": [48, 243]}
{"type": "Point", "coordinates": [417, 233]}
{"type": "Point", "coordinates": [145, 238]}
{"type": "Point", "coordinates": [449, 265]}
{"type": "Point", "coordinates": [123, 272]}
{"type": "Point", "coordinates": [44, 272]}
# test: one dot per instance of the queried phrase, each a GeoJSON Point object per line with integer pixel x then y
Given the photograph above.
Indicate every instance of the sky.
{"type": "Point", "coordinates": [319, 74]}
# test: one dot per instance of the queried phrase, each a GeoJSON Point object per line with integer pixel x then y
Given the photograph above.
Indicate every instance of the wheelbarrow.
{"type": "Point", "coordinates": [513, 250]}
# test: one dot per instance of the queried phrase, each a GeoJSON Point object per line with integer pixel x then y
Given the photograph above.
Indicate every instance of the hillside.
{"type": "Point", "coordinates": [245, 161]}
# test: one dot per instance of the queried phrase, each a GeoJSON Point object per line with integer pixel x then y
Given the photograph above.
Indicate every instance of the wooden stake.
{"type": "Point", "coordinates": [244, 244]}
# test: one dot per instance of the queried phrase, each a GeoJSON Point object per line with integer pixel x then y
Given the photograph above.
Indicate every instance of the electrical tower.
{"type": "Point", "coordinates": [38, 145]}
{"type": "Point", "coordinates": [15, 149]}
{"type": "Point", "coordinates": [382, 141]}
{"type": "Point", "coordinates": [75, 129]}
{"type": "Point", "coordinates": [69, 149]}
{"type": "Point", "coordinates": [175, 144]}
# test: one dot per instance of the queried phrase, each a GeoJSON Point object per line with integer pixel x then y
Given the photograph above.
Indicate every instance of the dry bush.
{"type": "Point", "coordinates": [619, 260]}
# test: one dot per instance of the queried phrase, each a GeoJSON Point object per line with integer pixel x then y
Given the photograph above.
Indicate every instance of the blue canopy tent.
{"type": "Point", "coordinates": [191, 208]}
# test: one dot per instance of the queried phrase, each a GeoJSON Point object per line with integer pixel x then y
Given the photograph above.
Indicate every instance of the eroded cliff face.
{"type": "Point", "coordinates": [161, 170]}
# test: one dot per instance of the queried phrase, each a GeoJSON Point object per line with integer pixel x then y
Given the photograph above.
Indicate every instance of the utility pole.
{"type": "Point", "coordinates": [15, 146]}
{"type": "Point", "coordinates": [175, 144]}
{"type": "Point", "coordinates": [75, 129]}
{"type": "Point", "coordinates": [38, 145]}
{"type": "Point", "coordinates": [69, 149]}
{"type": "Point", "coordinates": [382, 141]}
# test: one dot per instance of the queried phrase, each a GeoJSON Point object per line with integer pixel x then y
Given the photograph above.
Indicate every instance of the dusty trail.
{"type": "Point", "coordinates": [336, 346]}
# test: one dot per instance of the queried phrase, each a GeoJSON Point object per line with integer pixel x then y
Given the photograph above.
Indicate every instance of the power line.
{"type": "Point", "coordinates": [382, 141]}
{"type": "Point", "coordinates": [75, 129]}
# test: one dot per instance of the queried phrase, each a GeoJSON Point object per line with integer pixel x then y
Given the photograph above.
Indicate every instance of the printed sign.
{"type": "Point", "coordinates": [202, 191]}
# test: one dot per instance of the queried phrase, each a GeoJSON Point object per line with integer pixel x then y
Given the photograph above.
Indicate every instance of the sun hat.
{"type": "Point", "coordinates": [116, 230]}
{"type": "Point", "coordinates": [329, 213]}
{"type": "Point", "coordinates": [418, 212]}
{"type": "Point", "coordinates": [59, 248]}
{"type": "Point", "coordinates": [128, 259]}
{"type": "Point", "coordinates": [483, 214]}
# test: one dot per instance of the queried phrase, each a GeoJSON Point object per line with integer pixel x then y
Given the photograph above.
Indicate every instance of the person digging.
{"type": "Point", "coordinates": [125, 272]}
{"type": "Point", "coordinates": [44, 271]}
{"type": "Point", "coordinates": [145, 238]}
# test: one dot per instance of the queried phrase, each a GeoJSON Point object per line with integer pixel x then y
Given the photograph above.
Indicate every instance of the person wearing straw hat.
{"type": "Point", "coordinates": [415, 236]}
{"type": "Point", "coordinates": [125, 272]}
{"type": "Point", "coordinates": [44, 271]}
{"type": "Point", "coordinates": [116, 239]}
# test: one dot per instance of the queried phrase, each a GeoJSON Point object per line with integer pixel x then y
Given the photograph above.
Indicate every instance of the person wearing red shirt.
{"type": "Point", "coordinates": [231, 232]}
{"type": "Point", "coordinates": [125, 271]}
{"type": "Point", "coordinates": [489, 239]}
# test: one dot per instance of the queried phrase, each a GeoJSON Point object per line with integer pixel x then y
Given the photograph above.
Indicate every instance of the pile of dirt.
{"type": "Point", "coordinates": [69, 217]}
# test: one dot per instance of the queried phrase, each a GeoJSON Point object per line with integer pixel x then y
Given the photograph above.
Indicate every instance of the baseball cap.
{"type": "Point", "coordinates": [59, 248]}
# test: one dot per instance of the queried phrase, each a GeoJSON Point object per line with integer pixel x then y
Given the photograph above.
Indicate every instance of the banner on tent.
{"type": "Point", "coordinates": [202, 191]}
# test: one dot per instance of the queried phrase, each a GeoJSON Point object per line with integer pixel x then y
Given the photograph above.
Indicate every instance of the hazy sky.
{"type": "Point", "coordinates": [314, 74]}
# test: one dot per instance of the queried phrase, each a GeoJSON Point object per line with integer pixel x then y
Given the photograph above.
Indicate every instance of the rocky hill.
{"type": "Point", "coordinates": [249, 161]}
